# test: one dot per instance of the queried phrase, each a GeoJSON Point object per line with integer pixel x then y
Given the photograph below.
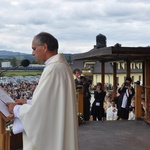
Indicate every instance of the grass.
{"type": "Point", "coordinates": [11, 73]}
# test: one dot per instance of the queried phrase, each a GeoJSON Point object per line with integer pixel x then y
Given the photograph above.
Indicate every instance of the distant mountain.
{"type": "Point", "coordinates": [10, 53]}
{"type": "Point", "coordinates": [4, 54]}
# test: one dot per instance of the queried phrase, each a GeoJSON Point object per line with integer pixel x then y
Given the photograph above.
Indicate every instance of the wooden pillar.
{"type": "Point", "coordinates": [147, 90]}
{"type": "Point", "coordinates": [80, 100]}
{"type": "Point", "coordinates": [128, 68]}
{"type": "Point", "coordinates": [103, 74]}
{"type": "Point", "coordinates": [138, 100]}
{"type": "Point", "coordinates": [143, 73]}
{"type": "Point", "coordinates": [114, 80]}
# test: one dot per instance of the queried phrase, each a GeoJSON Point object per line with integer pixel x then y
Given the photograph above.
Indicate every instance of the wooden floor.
{"type": "Point", "coordinates": [114, 135]}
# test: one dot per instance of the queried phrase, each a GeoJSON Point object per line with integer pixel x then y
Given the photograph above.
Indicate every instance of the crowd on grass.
{"type": "Point", "coordinates": [23, 89]}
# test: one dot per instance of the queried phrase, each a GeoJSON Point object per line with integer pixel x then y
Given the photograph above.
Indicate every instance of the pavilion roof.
{"type": "Point", "coordinates": [112, 53]}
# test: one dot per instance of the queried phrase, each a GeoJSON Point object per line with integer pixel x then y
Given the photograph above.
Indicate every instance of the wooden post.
{"type": "Point", "coordinates": [80, 100]}
{"type": "Point", "coordinates": [138, 100]}
{"type": "Point", "coordinates": [114, 80]}
{"type": "Point", "coordinates": [4, 135]}
{"type": "Point", "coordinates": [143, 74]}
{"type": "Point", "coordinates": [103, 74]}
{"type": "Point", "coordinates": [128, 68]}
{"type": "Point", "coordinates": [147, 90]}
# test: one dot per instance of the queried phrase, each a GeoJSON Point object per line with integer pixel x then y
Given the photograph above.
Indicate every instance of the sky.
{"type": "Point", "coordinates": [75, 23]}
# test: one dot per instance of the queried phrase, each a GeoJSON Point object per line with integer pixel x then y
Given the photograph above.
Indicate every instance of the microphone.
{"type": "Point", "coordinates": [23, 63]}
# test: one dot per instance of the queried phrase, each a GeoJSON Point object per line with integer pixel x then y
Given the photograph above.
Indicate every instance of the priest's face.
{"type": "Point", "coordinates": [38, 51]}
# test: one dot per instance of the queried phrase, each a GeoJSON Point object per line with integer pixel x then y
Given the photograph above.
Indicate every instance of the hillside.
{"type": "Point", "coordinates": [4, 54]}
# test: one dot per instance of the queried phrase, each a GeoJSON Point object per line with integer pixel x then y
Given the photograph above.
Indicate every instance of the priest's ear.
{"type": "Point", "coordinates": [45, 47]}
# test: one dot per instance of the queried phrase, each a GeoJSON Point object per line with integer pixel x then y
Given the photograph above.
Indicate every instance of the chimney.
{"type": "Point", "coordinates": [100, 41]}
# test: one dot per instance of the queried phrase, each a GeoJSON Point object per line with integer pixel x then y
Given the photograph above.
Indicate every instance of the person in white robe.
{"type": "Point", "coordinates": [50, 121]}
{"type": "Point", "coordinates": [132, 114]}
{"type": "Point", "coordinates": [111, 112]}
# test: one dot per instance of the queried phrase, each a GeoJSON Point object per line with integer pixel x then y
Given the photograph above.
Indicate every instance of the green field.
{"type": "Point", "coordinates": [22, 73]}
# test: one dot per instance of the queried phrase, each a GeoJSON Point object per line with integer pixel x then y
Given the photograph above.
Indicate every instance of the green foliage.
{"type": "Point", "coordinates": [13, 62]}
{"type": "Point", "coordinates": [69, 58]}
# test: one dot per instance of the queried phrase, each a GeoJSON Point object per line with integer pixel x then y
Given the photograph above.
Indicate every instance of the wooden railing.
{"type": "Point", "coordinates": [147, 104]}
{"type": "Point", "coordinates": [4, 135]}
{"type": "Point", "coordinates": [138, 102]}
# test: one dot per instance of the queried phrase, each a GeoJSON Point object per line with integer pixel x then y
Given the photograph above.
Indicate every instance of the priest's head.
{"type": "Point", "coordinates": [44, 46]}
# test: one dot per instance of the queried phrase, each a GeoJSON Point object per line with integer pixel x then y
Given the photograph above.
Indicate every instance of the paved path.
{"type": "Point", "coordinates": [114, 135]}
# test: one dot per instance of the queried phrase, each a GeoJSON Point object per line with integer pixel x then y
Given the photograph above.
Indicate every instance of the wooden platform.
{"type": "Point", "coordinates": [114, 135]}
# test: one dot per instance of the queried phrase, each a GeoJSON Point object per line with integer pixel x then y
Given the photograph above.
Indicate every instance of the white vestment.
{"type": "Point", "coordinates": [131, 116]}
{"type": "Point", "coordinates": [111, 113]}
{"type": "Point", "coordinates": [50, 123]}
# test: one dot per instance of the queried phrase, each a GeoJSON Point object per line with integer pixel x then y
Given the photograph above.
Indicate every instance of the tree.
{"type": "Point", "coordinates": [69, 59]}
{"type": "Point", "coordinates": [13, 62]}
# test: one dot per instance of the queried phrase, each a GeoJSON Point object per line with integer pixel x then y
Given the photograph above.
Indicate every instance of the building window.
{"type": "Point", "coordinates": [132, 66]}
{"type": "Point", "coordinates": [136, 66]}
{"type": "Point", "coordinates": [121, 65]}
{"type": "Point", "coordinates": [89, 65]}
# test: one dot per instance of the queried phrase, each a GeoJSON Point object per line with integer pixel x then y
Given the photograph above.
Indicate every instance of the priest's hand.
{"type": "Point", "coordinates": [21, 101]}
{"type": "Point", "coordinates": [11, 107]}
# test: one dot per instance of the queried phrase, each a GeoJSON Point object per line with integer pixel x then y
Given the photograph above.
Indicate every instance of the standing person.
{"type": "Point", "coordinates": [50, 122]}
{"type": "Point", "coordinates": [97, 110]}
{"type": "Point", "coordinates": [77, 72]}
{"type": "Point", "coordinates": [126, 92]}
{"type": "Point", "coordinates": [107, 102]}
{"type": "Point", "coordinates": [81, 82]}
{"type": "Point", "coordinates": [86, 98]}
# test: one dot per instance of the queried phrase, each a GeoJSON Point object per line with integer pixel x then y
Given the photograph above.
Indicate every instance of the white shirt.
{"type": "Point", "coordinates": [125, 98]}
{"type": "Point", "coordinates": [17, 125]}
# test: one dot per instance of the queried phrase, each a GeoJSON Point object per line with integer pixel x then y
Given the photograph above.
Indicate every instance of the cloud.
{"type": "Point", "coordinates": [75, 23]}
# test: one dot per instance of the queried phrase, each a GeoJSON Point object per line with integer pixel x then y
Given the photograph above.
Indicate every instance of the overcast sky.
{"type": "Point", "coordinates": [75, 23]}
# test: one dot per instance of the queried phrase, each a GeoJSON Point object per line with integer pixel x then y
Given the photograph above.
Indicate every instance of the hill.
{"type": "Point", "coordinates": [4, 54]}
{"type": "Point", "coordinates": [8, 53]}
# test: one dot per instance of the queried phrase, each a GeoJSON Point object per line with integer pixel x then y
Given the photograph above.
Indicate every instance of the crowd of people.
{"type": "Point", "coordinates": [23, 90]}
{"type": "Point", "coordinates": [105, 106]}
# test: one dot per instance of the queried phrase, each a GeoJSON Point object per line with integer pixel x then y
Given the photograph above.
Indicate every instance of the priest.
{"type": "Point", "coordinates": [49, 121]}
